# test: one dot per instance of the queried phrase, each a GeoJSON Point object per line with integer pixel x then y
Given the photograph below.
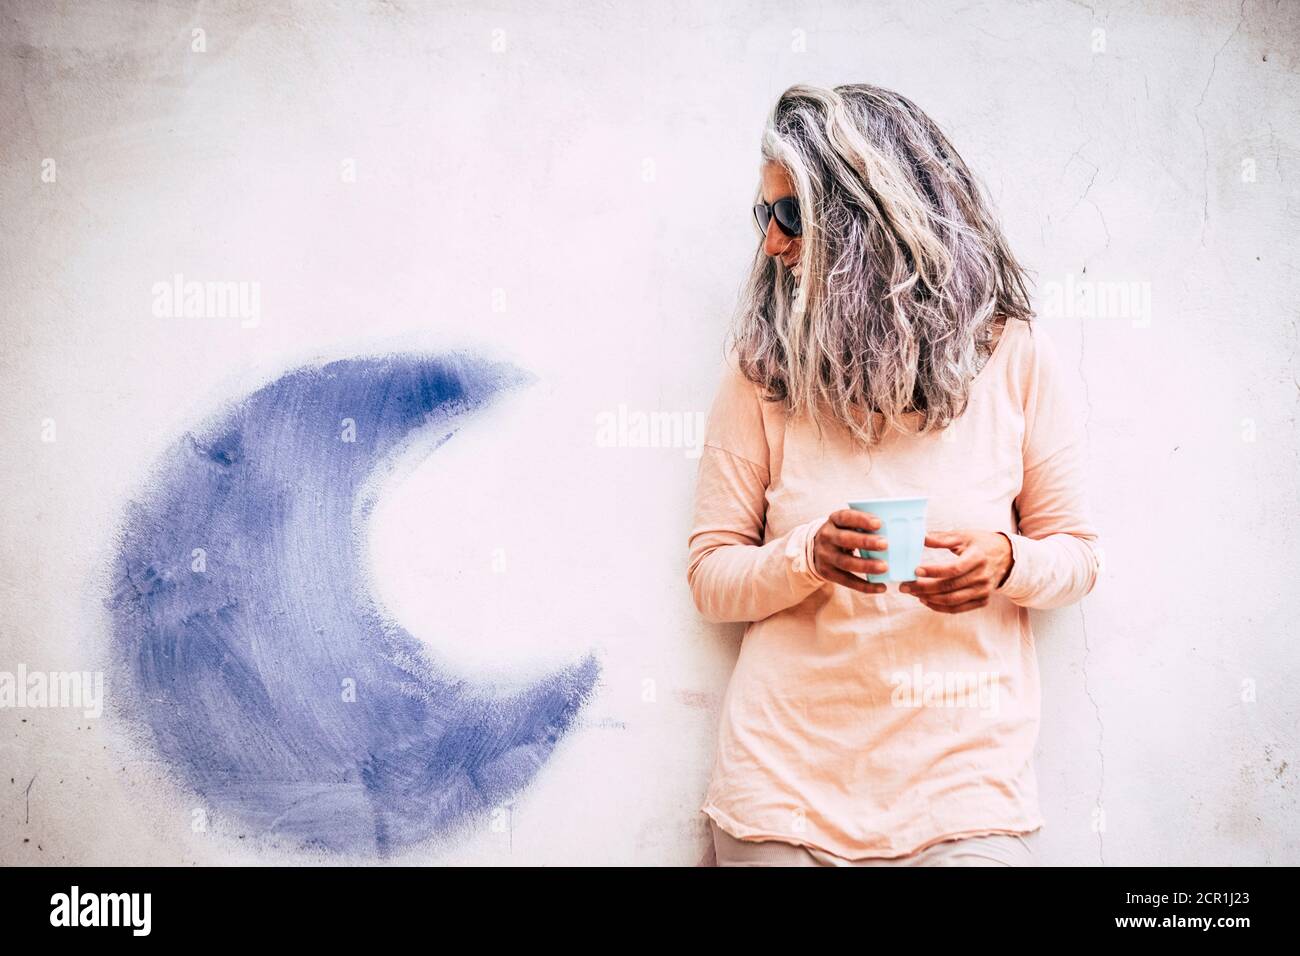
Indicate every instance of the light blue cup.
{"type": "Point", "coordinates": [903, 528]}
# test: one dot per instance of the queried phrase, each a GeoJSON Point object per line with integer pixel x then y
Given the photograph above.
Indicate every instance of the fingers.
{"type": "Point", "coordinates": [954, 599]}
{"type": "Point", "coordinates": [852, 529]}
{"type": "Point", "coordinates": [849, 530]}
{"type": "Point", "coordinates": [829, 556]}
{"type": "Point", "coordinates": [931, 584]}
{"type": "Point", "coordinates": [855, 564]}
{"type": "Point", "coordinates": [951, 596]}
{"type": "Point", "coordinates": [832, 552]}
{"type": "Point", "coordinates": [852, 581]}
{"type": "Point", "coordinates": [947, 539]}
{"type": "Point", "coordinates": [964, 585]}
{"type": "Point", "coordinates": [849, 540]}
{"type": "Point", "coordinates": [958, 609]}
{"type": "Point", "coordinates": [965, 564]}
{"type": "Point", "coordinates": [848, 518]}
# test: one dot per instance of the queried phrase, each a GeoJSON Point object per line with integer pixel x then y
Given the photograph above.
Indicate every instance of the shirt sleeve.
{"type": "Point", "coordinates": [734, 574]}
{"type": "Point", "coordinates": [1055, 555]}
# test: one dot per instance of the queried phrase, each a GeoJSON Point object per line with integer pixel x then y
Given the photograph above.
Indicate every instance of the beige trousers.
{"type": "Point", "coordinates": [999, 849]}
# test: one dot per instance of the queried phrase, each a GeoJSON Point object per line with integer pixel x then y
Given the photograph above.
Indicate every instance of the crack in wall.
{"type": "Point", "coordinates": [1196, 112]}
{"type": "Point", "coordinates": [1101, 740]}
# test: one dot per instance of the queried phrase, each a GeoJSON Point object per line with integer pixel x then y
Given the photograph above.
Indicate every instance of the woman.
{"type": "Point", "coordinates": [882, 348]}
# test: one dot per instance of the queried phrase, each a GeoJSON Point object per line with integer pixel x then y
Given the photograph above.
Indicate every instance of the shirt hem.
{"type": "Point", "coordinates": [742, 832]}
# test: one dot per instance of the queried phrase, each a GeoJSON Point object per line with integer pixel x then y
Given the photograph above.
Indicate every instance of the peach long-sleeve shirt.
{"type": "Point", "coordinates": [870, 725]}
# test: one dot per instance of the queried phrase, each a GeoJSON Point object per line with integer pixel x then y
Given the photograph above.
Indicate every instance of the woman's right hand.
{"type": "Point", "coordinates": [834, 545]}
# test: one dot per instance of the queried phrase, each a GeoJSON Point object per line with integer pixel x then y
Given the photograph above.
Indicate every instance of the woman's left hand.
{"type": "Point", "coordinates": [982, 565]}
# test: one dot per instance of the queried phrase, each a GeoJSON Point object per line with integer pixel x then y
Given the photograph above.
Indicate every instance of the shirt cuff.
{"type": "Point", "coordinates": [1013, 576]}
{"type": "Point", "coordinates": [799, 553]}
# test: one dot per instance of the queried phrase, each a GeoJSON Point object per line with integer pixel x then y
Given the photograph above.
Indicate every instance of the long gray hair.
{"type": "Point", "coordinates": [903, 267]}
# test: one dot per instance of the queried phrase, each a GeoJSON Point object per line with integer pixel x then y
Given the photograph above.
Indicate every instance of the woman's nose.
{"type": "Point", "coordinates": [776, 242]}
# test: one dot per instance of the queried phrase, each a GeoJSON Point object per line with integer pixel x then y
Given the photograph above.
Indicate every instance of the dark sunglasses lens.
{"type": "Point", "coordinates": [787, 215]}
{"type": "Point", "coordinates": [761, 217]}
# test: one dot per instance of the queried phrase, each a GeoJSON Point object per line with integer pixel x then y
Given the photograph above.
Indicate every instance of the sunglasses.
{"type": "Point", "coordinates": [784, 210]}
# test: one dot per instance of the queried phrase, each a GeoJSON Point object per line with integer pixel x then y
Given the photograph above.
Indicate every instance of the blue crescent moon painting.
{"type": "Point", "coordinates": [251, 654]}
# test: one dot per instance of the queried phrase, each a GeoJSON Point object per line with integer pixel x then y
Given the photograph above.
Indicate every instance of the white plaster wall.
{"type": "Point", "coordinates": [567, 185]}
